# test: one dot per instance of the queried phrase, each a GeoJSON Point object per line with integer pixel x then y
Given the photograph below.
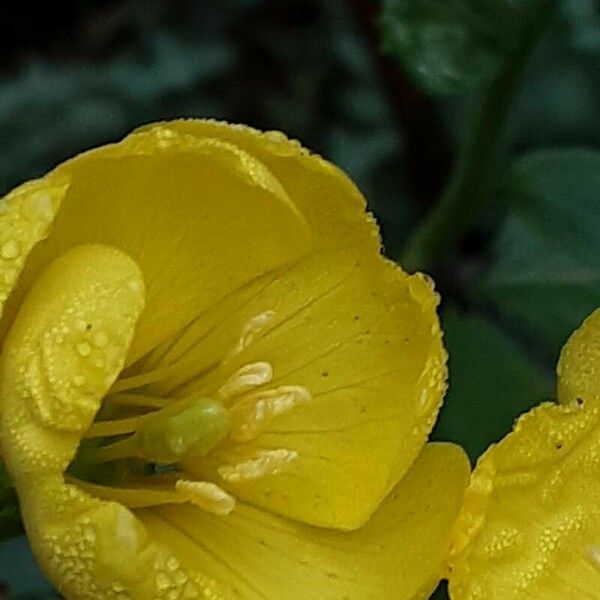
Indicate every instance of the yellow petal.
{"type": "Point", "coordinates": [579, 364]}
{"type": "Point", "coordinates": [362, 339]}
{"type": "Point", "coordinates": [53, 376]}
{"type": "Point", "coordinates": [26, 216]}
{"type": "Point", "coordinates": [330, 202]}
{"type": "Point", "coordinates": [200, 217]}
{"type": "Point", "coordinates": [530, 524]}
{"type": "Point", "coordinates": [399, 554]}
{"type": "Point", "coordinates": [97, 550]}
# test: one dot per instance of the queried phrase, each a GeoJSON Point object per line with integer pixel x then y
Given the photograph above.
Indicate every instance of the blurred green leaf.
{"type": "Point", "coordinates": [491, 383]}
{"type": "Point", "coordinates": [546, 275]}
{"type": "Point", "coordinates": [441, 593]}
{"type": "Point", "coordinates": [10, 519]}
{"type": "Point", "coordinates": [453, 46]}
{"type": "Point", "coordinates": [51, 110]}
{"type": "Point", "coordinates": [20, 573]}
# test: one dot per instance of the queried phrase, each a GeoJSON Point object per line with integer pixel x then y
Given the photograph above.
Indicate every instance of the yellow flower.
{"type": "Point", "coordinates": [530, 524]}
{"type": "Point", "coordinates": [211, 315]}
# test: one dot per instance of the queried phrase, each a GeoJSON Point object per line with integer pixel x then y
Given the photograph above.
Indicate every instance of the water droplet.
{"type": "Point", "coordinates": [134, 285]}
{"type": "Point", "coordinates": [84, 349]}
{"type": "Point", "coordinates": [172, 563]}
{"type": "Point", "coordinates": [90, 535]}
{"type": "Point", "coordinates": [10, 275]}
{"type": "Point", "coordinates": [78, 380]}
{"type": "Point", "coordinates": [118, 587]}
{"type": "Point", "coordinates": [100, 339]}
{"type": "Point", "coordinates": [80, 325]}
{"type": "Point", "coordinates": [180, 577]}
{"type": "Point", "coordinates": [162, 581]}
{"type": "Point", "coordinates": [10, 249]}
{"type": "Point", "coordinates": [276, 136]}
{"type": "Point", "coordinates": [39, 206]}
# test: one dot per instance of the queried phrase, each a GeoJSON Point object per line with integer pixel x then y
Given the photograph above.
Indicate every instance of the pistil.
{"type": "Point", "coordinates": [189, 427]}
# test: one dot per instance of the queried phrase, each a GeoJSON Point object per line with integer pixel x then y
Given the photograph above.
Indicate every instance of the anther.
{"type": "Point", "coordinates": [268, 462]}
{"type": "Point", "coordinates": [208, 496]}
{"type": "Point", "coordinates": [252, 414]}
{"type": "Point", "coordinates": [151, 491]}
{"type": "Point", "coordinates": [594, 555]}
{"type": "Point", "coordinates": [252, 328]}
{"type": "Point", "coordinates": [245, 379]}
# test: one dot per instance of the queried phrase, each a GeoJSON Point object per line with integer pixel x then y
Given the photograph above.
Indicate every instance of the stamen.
{"type": "Point", "coordinates": [208, 496]}
{"type": "Point", "coordinates": [268, 462]}
{"type": "Point", "coordinates": [251, 415]}
{"type": "Point", "coordinates": [594, 555]}
{"type": "Point", "coordinates": [137, 381]}
{"type": "Point", "coordinates": [246, 378]}
{"type": "Point", "coordinates": [137, 400]}
{"type": "Point", "coordinates": [115, 427]}
{"type": "Point", "coordinates": [191, 427]}
{"type": "Point", "coordinates": [252, 328]}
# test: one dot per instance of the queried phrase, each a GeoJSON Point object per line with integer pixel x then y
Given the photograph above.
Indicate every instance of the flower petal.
{"type": "Point", "coordinates": [330, 202]}
{"type": "Point", "coordinates": [26, 216]}
{"type": "Point", "coordinates": [579, 364]}
{"type": "Point", "coordinates": [363, 339]}
{"type": "Point", "coordinates": [530, 523]}
{"type": "Point", "coordinates": [54, 374]}
{"type": "Point", "coordinates": [201, 218]}
{"type": "Point", "coordinates": [399, 554]}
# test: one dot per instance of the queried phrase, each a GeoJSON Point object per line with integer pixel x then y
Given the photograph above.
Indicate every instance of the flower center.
{"type": "Point", "coordinates": [189, 427]}
{"type": "Point", "coordinates": [134, 456]}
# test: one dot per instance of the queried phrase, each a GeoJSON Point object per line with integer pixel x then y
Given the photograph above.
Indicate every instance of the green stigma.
{"type": "Point", "coordinates": [190, 430]}
{"type": "Point", "coordinates": [190, 427]}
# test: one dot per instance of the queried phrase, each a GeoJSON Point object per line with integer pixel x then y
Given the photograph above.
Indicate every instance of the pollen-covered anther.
{"type": "Point", "coordinates": [268, 462]}
{"type": "Point", "coordinates": [207, 496]}
{"type": "Point", "coordinates": [251, 415]}
{"type": "Point", "coordinates": [248, 377]}
{"type": "Point", "coordinates": [252, 328]}
{"type": "Point", "coordinates": [593, 553]}
{"type": "Point", "coordinates": [160, 490]}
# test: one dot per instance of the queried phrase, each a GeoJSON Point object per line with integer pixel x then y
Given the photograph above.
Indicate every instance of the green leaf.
{"type": "Point", "coordinates": [491, 383]}
{"type": "Point", "coordinates": [20, 574]}
{"type": "Point", "coordinates": [545, 278]}
{"type": "Point", "coordinates": [441, 593]}
{"type": "Point", "coordinates": [454, 46]}
{"type": "Point", "coordinates": [10, 518]}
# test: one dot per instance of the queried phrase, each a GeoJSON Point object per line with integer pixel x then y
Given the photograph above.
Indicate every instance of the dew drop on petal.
{"type": "Point", "coordinates": [78, 380]}
{"type": "Point", "coordinates": [84, 349]}
{"type": "Point", "coordinates": [100, 339]}
{"type": "Point", "coordinates": [10, 249]}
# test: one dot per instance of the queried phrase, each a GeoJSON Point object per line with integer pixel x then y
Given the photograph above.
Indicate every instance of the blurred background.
{"type": "Point", "coordinates": [77, 74]}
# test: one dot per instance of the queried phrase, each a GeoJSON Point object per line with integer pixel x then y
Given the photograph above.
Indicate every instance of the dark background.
{"type": "Point", "coordinates": [74, 75]}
